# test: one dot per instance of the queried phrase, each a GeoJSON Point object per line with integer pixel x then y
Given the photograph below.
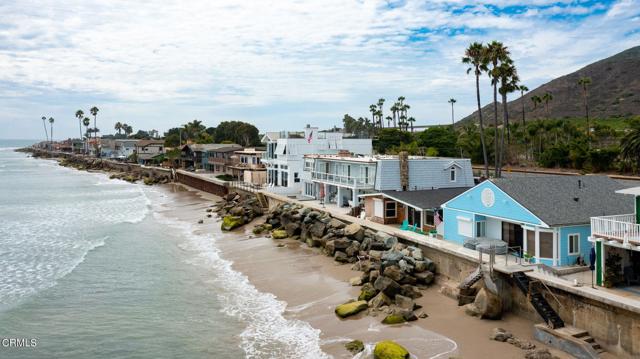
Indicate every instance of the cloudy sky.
{"type": "Point", "coordinates": [278, 64]}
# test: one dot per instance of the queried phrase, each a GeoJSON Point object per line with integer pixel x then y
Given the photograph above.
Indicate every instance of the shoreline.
{"type": "Point", "coordinates": [312, 284]}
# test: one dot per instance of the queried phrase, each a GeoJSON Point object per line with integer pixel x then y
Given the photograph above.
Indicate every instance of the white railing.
{"type": "Point", "coordinates": [621, 228]}
{"type": "Point", "coordinates": [361, 182]}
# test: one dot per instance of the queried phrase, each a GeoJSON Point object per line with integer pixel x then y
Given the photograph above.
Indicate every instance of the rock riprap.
{"type": "Point", "coordinates": [388, 349]}
{"type": "Point", "coordinates": [351, 308]}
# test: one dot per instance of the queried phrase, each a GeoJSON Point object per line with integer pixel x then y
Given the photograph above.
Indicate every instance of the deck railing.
{"type": "Point", "coordinates": [361, 182]}
{"type": "Point", "coordinates": [620, 227]}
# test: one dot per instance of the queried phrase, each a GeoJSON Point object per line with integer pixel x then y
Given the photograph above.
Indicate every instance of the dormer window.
{"type": "Point", "coordinates": [452, 174]}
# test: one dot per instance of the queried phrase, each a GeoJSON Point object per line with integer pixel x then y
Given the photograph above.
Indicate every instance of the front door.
{"type": "Point", "coordinates": [413, 217]}
{"type": "Point", "coordinates": [512, 234]}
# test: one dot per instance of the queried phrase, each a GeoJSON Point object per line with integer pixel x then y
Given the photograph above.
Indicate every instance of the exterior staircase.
{"type": "Point", "coordinates": [584, 336]}
{"type": "Point", "coordinates": [262, 200]}
{"type": "Point", "coordinates": [467, 294]}
{"type": "Point", "coordinates": [538, 301]}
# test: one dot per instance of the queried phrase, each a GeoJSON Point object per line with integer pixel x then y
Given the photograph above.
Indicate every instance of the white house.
{"type": "Point", "coordinates": [284, 158]}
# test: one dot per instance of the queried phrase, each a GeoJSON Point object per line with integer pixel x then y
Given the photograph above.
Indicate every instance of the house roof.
{"type": "Point", "coordinates": [424, 199]}
{"type": "Point", "coordinates": [143, 143]}
{"type": "Point", "coordinates": [567, 200]}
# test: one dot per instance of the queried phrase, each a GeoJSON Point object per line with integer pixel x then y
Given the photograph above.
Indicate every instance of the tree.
{"type": "Point", "coordinates": [453, 122]}
{"type": "Point", "coordinates": [94, 111]}
{"type": "Point", "coordinates": [44, 124]}
{"type": "Point", "coordinates": [389, 118]}
{"type": "Point", "coordinates": [440, 138]}
{"type": "Point", "coordinates": [374, 111]}
{"type": "Point", "coordinates": [86, 122]}
{"type": "Point", "coordinates": [508, 76]}
{"type": "Point", "coordinates": [523, 89]}
{"type": "Point", "coordinates": [380, 112]}
{"type": "Point", "coordinates": [547, 97]}
{"type": "Point", "coordinates": [128, 130]}
{"type": "Point", "coordinates": [118, 127]}
{"type": "Point", "coordinates": [51, 120]}
{"type": "Point", "coordinates": [584, 82]}
{"type": "Point", "coordinates": [536, 101]}
{"type": "Point", "coordinates": [391, 137]}
{"type": "Point", "coordinates": [394, 112]}
{"type": "Point", "coordinates": [238, 132]}
{"type": "Point", "coordinates": [411, 120]}
{"type": "Point", "coordinates": [496, 52]}
{"type": "Point", "coordinates": [475, 56]}
{"type": "Point", "coordinates": [79, 116]}
{"type": "Point", "coordinates": [630, 147]}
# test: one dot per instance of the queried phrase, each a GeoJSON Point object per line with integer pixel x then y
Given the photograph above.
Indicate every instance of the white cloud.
{"type": "Point", "coordinates": [254, 59]}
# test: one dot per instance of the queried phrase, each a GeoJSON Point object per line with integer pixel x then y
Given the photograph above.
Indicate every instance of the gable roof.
{"type": "Point", "coordinates": [425, 199]}
{"type": "Point", "coordinates": [143, 143]}
{"type": "Point", "coordinates": [566, 200]}
{"type": "Point", "coordinates": [216, 147]}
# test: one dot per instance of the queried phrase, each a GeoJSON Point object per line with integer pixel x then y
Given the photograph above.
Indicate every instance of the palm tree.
{"type": "Point", "coordinates": [118, 127]}
{"type": "Point", "coordinates": [373, 109]}
{"type": "Point", "coordinates": [453, 122]}
{"type": "Point", "coordinates": [94, 111]}
{"type": "Point", "coordinates": [508, 83]}
{"type": "Point", "coordinates": [547, 97]}
{"type": "Point", "coordinates": [496, 52]}
{"type": "Point", "coordinates": [128, 130]}
{"type": "Point", "coordinates": [86, 122]}
{"type": "Point", "coordinates": [51, 120]}
{"type": "Point", "coordinates": [394, 111]}
{"type": "Point", "coordinates": [44, 124]}
{"type": "Point", "coordinates": [79, 116]}
{"type": "Point", "coordinates": [475, 57]}
{"type": "Point", "coordinates": [380, 112]}
{"type": "Point", "coordinates": [523, 89]}
{"type": "Point", "coordinates": [584, 82]}
{"type": "Point", "coordinates": [536, 101]}
{"type": "Point", "coordinates": [411, 121]}
{"type": "Point", "coordinates": [630, 146]}
{"type": "Point", "coordinates": [389, 118]}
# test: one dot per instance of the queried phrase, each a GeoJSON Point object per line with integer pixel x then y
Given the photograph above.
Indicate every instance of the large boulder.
{"type": "Point", "coordinates": [393, 272]}
{"type": "Point", "coordinates": [341, 257]}
{"type": "Point", "coordinates": [292, 228]}
{"type": "Point", "coordinates": [341, 243]}
{"type": "Point", "coordinates": [393, 319]}
{"type": "Point", "coordinates": [336, 223]}
{"type": "Point", "coordinates": [380, 300]}
{"type": "Point", "coordinates": [488, 305]}
{"type": "Point", "coordinates": [392, 256]}
{"type": "Point", "coordinates": [500, 335]}
{"type": "Point", "coordinates": [405, 302]}
{"type": "Point", "coordinates": [354, 231]}
{"type": "Point", "coordinates": [231, 222]}
{"type": "Point", "coordinates": [329, 248]}
{"type": "Point", "coordinates": [355, 346]}
{"type": "Point", "coordinates": [387, 285]}
{"type": "Point", "coordinates": [351, 308]}
{"type": "Point", "coordinates": [367, 292]}
{"type": "Point", "coordinates": [317, 229]}
{"type": "Point", "coordinates": [424, 277]}
{"type": "Point", "coordinates": [388, 349]}
{"type": "Point", "coordinates": [279, 234]}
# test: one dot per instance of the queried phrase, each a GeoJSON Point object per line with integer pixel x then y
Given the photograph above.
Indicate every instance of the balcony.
{"type": "Point", "coordinates": [621, 228]}
{"type": "Point", "coordinates": [359, 182]}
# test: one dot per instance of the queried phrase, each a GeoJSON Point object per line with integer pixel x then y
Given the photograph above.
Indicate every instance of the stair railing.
{"type": "Point", "coordinates": [532, 282]}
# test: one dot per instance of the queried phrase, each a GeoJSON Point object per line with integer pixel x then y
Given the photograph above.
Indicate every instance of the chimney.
{"type": "Point", "coordinates": [344, 153]}
{"type": "Point", "coordinates": [404, 169]}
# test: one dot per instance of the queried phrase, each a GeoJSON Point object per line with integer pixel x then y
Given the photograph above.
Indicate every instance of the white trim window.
{"type": "Point", "coordinates": [574, 243]}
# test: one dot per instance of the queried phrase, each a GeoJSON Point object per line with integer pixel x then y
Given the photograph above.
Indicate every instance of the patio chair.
{"type": "Point", "coordinates": [414, 228]}
{"type": "Point", "coordinates": [405, 225]}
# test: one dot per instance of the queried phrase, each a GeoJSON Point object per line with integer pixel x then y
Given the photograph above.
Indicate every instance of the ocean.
{"type": "Point", "coordinates": [98, 268]}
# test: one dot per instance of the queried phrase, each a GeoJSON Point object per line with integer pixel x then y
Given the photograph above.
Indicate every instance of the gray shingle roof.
{"type": "Point", "coordinates": [553, 198]}
{"type": "Point", "coordinates": [425, 199]}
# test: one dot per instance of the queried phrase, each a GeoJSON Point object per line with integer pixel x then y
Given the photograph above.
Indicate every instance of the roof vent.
{"type": "Point", "coordinates": [576, 199]}
{"type": "Point", "coordinates": [579, 183]}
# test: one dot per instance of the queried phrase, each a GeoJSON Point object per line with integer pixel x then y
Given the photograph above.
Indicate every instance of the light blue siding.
{"type": "Point", "coordinates": [450, 217]}
{"type": "Point", "coordinates": [585, 247]}
{"type": "Point", "coordinates": [424, 174]}
{"type": "Point", "coordinates": [504, 206]}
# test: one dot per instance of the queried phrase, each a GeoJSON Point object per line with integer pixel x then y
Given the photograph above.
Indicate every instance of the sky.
{"type": "Point", "coordinates": [278, 64]}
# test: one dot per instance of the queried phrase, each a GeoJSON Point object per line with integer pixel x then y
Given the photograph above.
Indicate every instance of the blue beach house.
{"type": "Point", "coordinates": [547, 217]}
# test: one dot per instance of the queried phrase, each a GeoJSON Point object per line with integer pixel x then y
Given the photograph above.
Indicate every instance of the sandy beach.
{"type": "Point", "coordinates": [312, 285]}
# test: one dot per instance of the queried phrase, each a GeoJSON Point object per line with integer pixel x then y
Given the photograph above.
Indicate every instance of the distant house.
{"type": "Point", "coordinates": [344, 178]}
{"type": "Point", "coordinates": [547, 217]}
{"type": "Point", "coordinates": [148, 151]}
{"type": "Point", "coordinates": [124, 148]}
{"type": "Point", "coordinates": [619, 234]}
{"type": "Point", "coordinates": [107, 147]}
{"type": "Point", "coordinates": [220, 157]}
{"type": "Point", "coordinates": [249, 167]}
{"type": "Point", "coordinates": [284, 159]}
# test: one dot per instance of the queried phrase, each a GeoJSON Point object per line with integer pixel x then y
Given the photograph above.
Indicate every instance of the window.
{"type": "Point", "coordinates": [390, 209]}
{"type": "Point", "coordinates": [296, 179]}
{"type": "Point", "coordinates": [481, 229]}
{"type": "Point", "coordinates": [546, 245]}
{"type": "Point", "coordinates": [428, 218]}
{"type": "Point", "coordinates": [285, 179]}
{"type": "Point", "coordinates": [452, 174]}
{"type": "Point", "coordinates": [574, 243]}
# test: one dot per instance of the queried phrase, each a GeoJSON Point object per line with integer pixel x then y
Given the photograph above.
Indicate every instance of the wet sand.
{"type": "Point", "coordinates": [312, 285]}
